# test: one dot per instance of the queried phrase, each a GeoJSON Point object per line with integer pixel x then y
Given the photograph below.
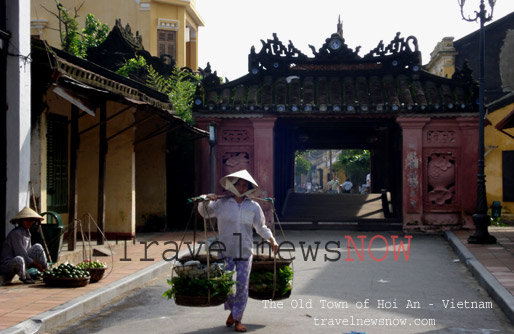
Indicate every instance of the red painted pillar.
{"type": "Point", "coordinates": [412, 134]}
{"type": "Point", "coordinates": [263, 158]}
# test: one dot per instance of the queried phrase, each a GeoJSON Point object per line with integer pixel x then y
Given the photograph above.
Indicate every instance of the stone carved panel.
{"type": "Point", "coordinates": [235, 136]}
{"type": "Point", "coordinates": [411, 170]}
{"type": "Point", "coordinates": [441, 137]}
{"type": "Point", "coordinates": [441, 178]}
{"type": "Point", "coordinates": [235, 161]}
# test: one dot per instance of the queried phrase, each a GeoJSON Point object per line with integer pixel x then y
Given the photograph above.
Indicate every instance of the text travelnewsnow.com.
{"type": "Point", "coordinates": [356, 321]}
{"type": "Point", "coordinates": [309, 250]}
{"type": "Point", "coordinates": [378, 304]}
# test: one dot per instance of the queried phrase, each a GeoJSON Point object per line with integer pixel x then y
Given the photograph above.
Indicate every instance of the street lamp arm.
{"type": "Point", "coordinates": [469, 19]}
{"type": "Point", "coordinates": [479, 15]}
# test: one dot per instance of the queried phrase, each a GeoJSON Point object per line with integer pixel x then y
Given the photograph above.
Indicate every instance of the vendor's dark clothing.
{"type": "Point", "coordinates": [18, 253]}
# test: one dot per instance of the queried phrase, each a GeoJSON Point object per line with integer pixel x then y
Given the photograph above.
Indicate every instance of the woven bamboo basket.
{"type": "Point", "coordinates": [65, 282]}
{"type": "Point", "coordinates": [264, 263]}
{"type": "Point", "coordinates": [267, 295]}
{"type": "Point", "coordinates": [184, 299]}
{"type": "Point", "coordinates": [201, 257]}
{"type": "Point", "coordinates": [96, 274]}
{"type": "Point", "coordinates": [199, 301]}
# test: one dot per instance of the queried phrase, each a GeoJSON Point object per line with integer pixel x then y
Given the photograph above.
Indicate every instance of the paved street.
{"type": "Point", "coordinates": [432, 292]}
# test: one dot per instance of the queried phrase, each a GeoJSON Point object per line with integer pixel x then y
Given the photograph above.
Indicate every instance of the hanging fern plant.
{"type": "Point", "coordinates": [180, 88]}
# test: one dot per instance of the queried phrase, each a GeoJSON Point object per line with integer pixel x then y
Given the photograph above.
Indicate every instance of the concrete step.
{"type": "Point", "coordinates": [332, 207]}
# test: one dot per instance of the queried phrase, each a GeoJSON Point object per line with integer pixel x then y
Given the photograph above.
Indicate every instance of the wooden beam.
{"type": "Point", "coordinates": [72, 197]}
{"type": "Point", "coordinates": [107, 119]}
{"type": "Point", "coordinates": [135, 123]}
{"type": "Point", "coordinates": [101, 173]}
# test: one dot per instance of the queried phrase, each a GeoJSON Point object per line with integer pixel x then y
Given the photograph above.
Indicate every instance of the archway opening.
{"type": "Point", "coordinates": [314, 158]}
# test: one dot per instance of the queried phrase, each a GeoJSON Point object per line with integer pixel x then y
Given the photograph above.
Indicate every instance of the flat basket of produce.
{"type": "Point", "coordinates": [66, 276]}
{"type": "Point", "coordinates": [95, 268]}
{"type": "Point", "coordinates": [195, 284]}
{"type": "Point", "coordinates": [270, 279]}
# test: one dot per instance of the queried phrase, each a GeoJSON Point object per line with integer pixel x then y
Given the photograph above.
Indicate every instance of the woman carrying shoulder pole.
{"type": "Point", "coordinates": [237, 215]}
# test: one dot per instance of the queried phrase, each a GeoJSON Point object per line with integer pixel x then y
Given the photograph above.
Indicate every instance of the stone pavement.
{"type": "Point", "coordinates": [492, 265]}
{"type": "Point", "coordinates": [29, 308]}
{"type": "Point", "coordinates": [36, 308]}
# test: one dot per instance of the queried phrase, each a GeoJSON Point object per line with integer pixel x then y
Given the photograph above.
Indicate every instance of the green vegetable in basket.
{"type": "Point", "coordinates": [87, 264]}
{"type": "Point", "coordinates": [192, 286]}
{"type": "Point", "coordinates": [66, 270]}
{"type": "Point", "coordinates": [262, 281]}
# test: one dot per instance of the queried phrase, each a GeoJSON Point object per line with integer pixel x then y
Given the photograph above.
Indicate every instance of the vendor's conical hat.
{"type": "Point", "coordinates": [228, 181]}
{"type": "Point", "coordinates": [26, 213]}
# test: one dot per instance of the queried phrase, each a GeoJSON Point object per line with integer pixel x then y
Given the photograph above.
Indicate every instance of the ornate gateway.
{"type": "Point", "coordinates": [420, 127]}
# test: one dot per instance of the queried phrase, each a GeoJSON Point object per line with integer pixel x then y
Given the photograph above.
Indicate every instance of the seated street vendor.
{"type": "Point", "coordinates": [18, 253]}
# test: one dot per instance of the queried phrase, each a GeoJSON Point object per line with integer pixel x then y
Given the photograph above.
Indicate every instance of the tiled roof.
{"type": "Point", "coordinates": [388, 80]}
{"type": "Point", "coordinates": [88, 81]}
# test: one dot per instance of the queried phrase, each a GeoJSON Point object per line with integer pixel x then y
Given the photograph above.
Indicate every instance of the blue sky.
{"type": "Point", "coordinates": [233, 26]}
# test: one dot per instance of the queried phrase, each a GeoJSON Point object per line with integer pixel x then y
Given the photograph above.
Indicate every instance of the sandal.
{"type": "Point", "coordinates": [28, 280]}
{"type": "Point", "coordinates": [230, 320]}
{"type": "Point", "coordinates": [240, 327]}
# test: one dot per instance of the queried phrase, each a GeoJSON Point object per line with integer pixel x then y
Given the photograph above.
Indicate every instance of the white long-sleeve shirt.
{"type": "Point", "coordinates": [237, 218]}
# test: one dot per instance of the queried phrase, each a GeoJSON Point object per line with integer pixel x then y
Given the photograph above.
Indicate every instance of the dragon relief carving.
{"type": "Point", "coordinates": [235, 161]}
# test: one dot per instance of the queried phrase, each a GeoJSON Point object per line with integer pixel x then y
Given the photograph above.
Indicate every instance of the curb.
{"type": "Point", "coordinates": [497, 291]}
{"type": "Point", "coordinates": [88, 302]}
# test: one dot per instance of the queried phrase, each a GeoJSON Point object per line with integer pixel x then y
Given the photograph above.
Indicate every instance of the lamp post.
{"type": "Point", "coordinates": [212, 157]}
{"type": "Point", "coordinates": [481, 218]}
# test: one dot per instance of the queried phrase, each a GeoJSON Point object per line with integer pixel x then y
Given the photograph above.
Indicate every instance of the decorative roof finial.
{"type": "Point", "coordinates": [340, 27]}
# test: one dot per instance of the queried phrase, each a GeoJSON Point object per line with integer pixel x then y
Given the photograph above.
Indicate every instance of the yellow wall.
{"type": "Point", "coordinates": [150, 170]}
{"type": "Point", "coordinates": [119, 178]}
{"type": "Point", "coordinates": [142, 17]}
{"type": "Point", "coordinates": [87, 170]}
{"type": "Point", "coordinates": [120, 210]}
{"type": "Point", "coordinates": [442, 58]}
{"type": "Point", "coordinates": [128, 168]}
{"type": "Point", "coordinates": [493, 160]}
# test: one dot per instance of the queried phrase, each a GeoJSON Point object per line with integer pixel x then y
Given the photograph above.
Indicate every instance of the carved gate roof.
{"type": "Point", "coordinates": [387, 80]}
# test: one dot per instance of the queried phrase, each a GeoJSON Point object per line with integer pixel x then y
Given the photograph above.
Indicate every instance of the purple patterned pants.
{"type": "Point", "coordinates": [17, 265]}
{"type": "Point", "coordinates": [237, 303]}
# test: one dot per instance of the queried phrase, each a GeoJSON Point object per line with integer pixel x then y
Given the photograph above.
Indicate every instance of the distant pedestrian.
{"type": "Point", "coordinates": [347, 186]}
{"type": "Point", "coordinates": [335, 186]}
{"type": "Point", "coordinates": [329, 186]}
{"type": "Point", "coordinates": [309, 186]}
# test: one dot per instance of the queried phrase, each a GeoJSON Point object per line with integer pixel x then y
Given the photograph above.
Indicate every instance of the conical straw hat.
{"type": "Point", "coordinates": [26, 213]}
{"type": "Point", "coordinates": [228, 181]}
